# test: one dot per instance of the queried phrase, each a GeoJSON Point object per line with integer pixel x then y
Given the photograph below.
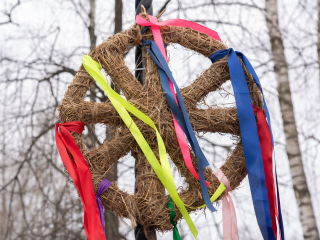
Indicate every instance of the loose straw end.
{"type": "Point", "coordinates": [143, 10]}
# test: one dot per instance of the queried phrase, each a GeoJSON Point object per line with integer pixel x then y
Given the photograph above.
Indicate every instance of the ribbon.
{"type": "Point", "coordinates": [81, 176]}
{"type": "Point", "coordinates": [257, 81]}
{"type": "Point", "coordinates": [266, 150]}
{"type": "Point", "coordinates": [257, 145]}
{"type": "Point", "coordinates": [167, 83]}
{"type": "Point", "coordinates": [229, 217]}
{"type": "Point", "coordinates": [104, 185]}
{"type": "Point", "coordinates": [162, 170]}
{"type": "Point", "coordinates": [183, 144]}
{"type": "Point", "coordinates": [180, 115]}
{"type": "Point", "coordinates": [179, 23]}
{"type": "Point", "coordinates": [176, 235]}
{"type": "Point", "coordinates": [154, 24]}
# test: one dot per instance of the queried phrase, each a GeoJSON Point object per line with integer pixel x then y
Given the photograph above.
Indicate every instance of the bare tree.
{"type": "Point", "coordinates": [8, 13]}
{"type": "Point", "coordinates": [29, 174]}
{"type": "Point", "coordinates": [307, 217]}
{"type": "Point", "coordinates": [38, 59]}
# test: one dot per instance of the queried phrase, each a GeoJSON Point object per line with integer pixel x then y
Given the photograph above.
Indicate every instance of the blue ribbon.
{"type": "Point", "coordinates": [180, 115]}
{"type": "Point", "coordinates": [250, 139]}
{"type": "Point", "coordinates": [249, 134]}
{"type": "Point", "coordinates": [257, 81]}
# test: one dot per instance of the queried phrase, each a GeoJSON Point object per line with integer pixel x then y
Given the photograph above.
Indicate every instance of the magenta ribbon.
{"type": "Point", "coordinates": [229, 217]}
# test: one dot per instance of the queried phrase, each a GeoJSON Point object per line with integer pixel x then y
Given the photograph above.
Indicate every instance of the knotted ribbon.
{"type": "Point", "coordinates": [265, 166]}
{"type": "Point", "coordinates": [104, 185]}
{"type": "Point", "coordinates": [229, 217]}
{"type": "Point", "coordinates": [183, 144]}
{"type": "Point", "coordinates": [257, 145]}
{"type": "Point", "coordinates": [162, 170]}
{"type": "Point", "coordinates": [180, 115]}
{"type": "Point", "coordinates": [176, 235]}
{"type": "Point", "coordinates": [154, 24]}
{"type": "Point", "coordinates": [178, 23]}
{"type": "Point", "coordinates": [123, 108]}
{"type": "Point", "coordinates": [81, 176]}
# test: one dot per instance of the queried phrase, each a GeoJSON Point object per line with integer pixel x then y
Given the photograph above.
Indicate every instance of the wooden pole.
{"type": "Point", "coordinates": [139, 74]}
{"type": "Point", "coordinates": [138, 59]}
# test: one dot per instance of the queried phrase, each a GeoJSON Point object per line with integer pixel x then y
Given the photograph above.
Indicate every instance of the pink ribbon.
{"type": "Point", "coordinates": [154, 24]}
{"type": "Point", "coordinates": [230, 229]}
{"type": "Point", "coordinates": [179, 23]}
{"type": "Point", "coordinates": [229, 218]}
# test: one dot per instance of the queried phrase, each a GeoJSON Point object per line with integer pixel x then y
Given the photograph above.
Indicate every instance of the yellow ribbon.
{"type": "Point", "coordinates": [214, 197]}
{"type": "Point", "coordinates": [162, 170]}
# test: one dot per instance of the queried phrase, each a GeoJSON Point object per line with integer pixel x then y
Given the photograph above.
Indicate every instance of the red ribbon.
{"type": "Point", "coordinates": [81, 176]}
{"type": "Point", "coordinates": [267, 151]}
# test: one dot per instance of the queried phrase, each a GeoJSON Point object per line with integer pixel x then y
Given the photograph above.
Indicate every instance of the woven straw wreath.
{"type": "Point", "coordinates": [148, 205]}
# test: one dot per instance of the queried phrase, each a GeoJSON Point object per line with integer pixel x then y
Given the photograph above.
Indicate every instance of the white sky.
{"type": "Point", "coordinates": [299, 31]}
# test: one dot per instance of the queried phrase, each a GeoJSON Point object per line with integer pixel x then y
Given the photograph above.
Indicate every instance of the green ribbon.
{"type": "Point", "coordinates": [176, 235]}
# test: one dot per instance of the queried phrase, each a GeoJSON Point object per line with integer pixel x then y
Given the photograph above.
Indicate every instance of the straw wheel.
{"type": "Point", "coordinates": [148, 205]}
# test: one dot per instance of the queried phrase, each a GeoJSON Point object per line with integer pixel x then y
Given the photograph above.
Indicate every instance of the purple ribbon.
{"type": "Point", "coordinates": [104, 185]}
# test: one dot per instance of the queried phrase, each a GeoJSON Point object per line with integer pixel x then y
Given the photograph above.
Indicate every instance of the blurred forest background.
{"type": "Point", "coordinates": [41, 47]}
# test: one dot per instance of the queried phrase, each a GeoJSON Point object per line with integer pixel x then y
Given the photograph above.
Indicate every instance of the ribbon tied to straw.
{"type": "Point", "coordinates": [257, 144]}
{"type": "Point", "coordinates": [176, 235]}
{"type": "Point", "coordinates": [162, 169]}
{"type": "Point", "coordinates": [104, 185]}
{"type": "Point", "coordinates": [230, 228]}
{"type": "Point", "coordinates": [81, 176]}
{"type": "Point", "coordinates": [183, 144]}
{"type": "Point", "coordinates": [181, 120]}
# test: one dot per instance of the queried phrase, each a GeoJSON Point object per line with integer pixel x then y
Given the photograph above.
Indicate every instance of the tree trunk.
{"type": "Point", "coordinates": [318, 43]}
{"type": "Point", "coordinates": [91, 138]}
{"type": "Point", "coordinates": [92, 25]}
{"type": "Point", "coordinates": [3, 209]}
{"type": "Point", "coordinates": [112, 222]}
{"type": "Point", "coordinates": [118, 16]}
{"type": "Point", "coordinates": [299, 182]}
